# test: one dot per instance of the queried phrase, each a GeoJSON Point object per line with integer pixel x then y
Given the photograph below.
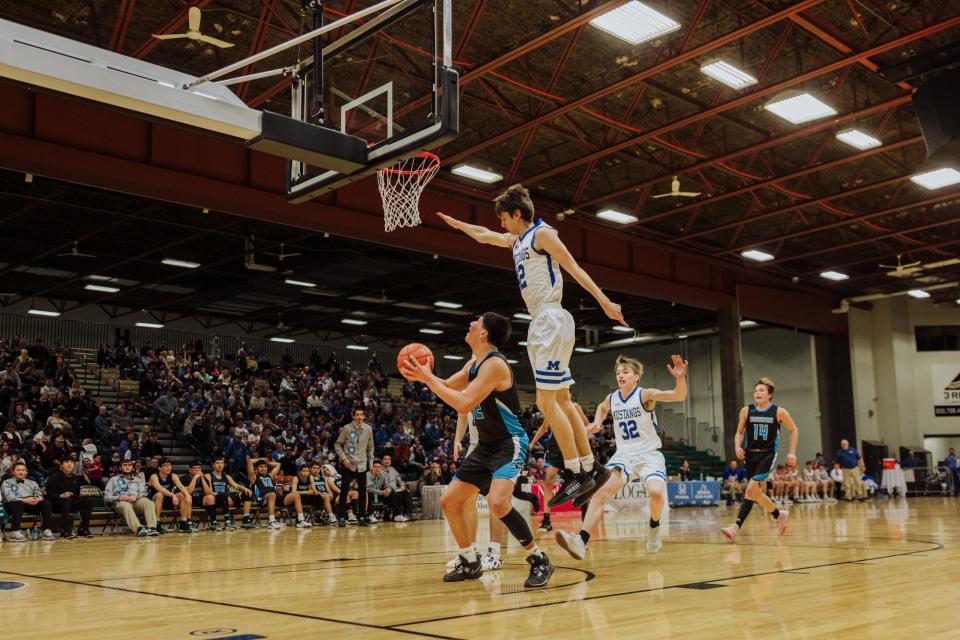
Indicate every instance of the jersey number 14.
{"type": "Point", "coordinates": [760, 431]}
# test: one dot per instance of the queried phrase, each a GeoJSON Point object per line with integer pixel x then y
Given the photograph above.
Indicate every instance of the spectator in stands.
{"type": "Point", "coordinates": [63, 490]}
{"type": "Point", "coordinates": [56, 420]}
{"type": "Point", "coordinates": [127, 494]}
{"type": "Point", "coordinates": [11, 436]}
{"type": "Point", "coordinates": [431, 475]}
{"type": "Point", "coordinates": [851, 462]}
{"type": "Point", "coordinates": [402, 506]}
{"type": "Point", "coordinates": [151, 447]}
{"type": "Point", "coordinates": [167, 491]}
{"type": "Point", "coordinates": [164, 409]}
{"type": "Point", "coordinates": [684, 472]}
{"type": "Point", "coordinates": [912, 461]}
{"type": "Point", "coordinates": [952, 463]}
{"type": "Point", "coordinates": [354, 447]}
{"type": "Point", "coordinates": [734, 481]}
{"type": "Point", "coordinates": [53, 454]}
{"type": "Point", "coordinates": [21, 494]}
{"type": "Point", "coordinates": [94, 469]}
{"type": "Point", "coordinates": [120, 416]}
{"type": "Point", "coordinates": [130, 446]}
{"type": "Point", "coordinates": [102, 422]}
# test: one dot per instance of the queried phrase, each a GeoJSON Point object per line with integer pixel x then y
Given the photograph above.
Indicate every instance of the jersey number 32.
{"type": "Point", "coordinates": [629, 429]}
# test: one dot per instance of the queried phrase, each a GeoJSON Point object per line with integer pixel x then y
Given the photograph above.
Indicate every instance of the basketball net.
{"type": "Point", "coordinates": [401, 186]}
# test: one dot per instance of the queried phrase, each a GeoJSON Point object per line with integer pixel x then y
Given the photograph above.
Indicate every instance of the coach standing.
{"type": "Point", "coordinates": [354, 447]}
{"type": "Point", "coordinates": [851, 462]}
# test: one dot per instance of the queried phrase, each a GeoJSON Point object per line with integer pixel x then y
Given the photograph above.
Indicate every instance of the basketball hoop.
{"type": "Point", "coordinates": [401, 186]}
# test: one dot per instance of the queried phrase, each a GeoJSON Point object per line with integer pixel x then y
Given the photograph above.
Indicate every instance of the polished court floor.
{"type": "Point", "coordinates": [883, 569]}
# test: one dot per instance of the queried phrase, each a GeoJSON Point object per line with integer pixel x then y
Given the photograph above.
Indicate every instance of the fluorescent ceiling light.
{"type": "Point", "coordinates": [583, 349]}
{"type": "Point", "coordinates": [450, 357]}
{"type": "Point", "coordinates": [958, 300]}
{"type": "Point", "coordinates": [509, 361]}
{"type": "Point", "coordinates": [836, 276]}
{"type": "Point", "coordinates": [54, 314]}
{"type": "Point", "coordinates": [432, 332]}
{"type": "Point", "coordinates": [799, 107]}
{"type": "Point", "coordinates": [937, 179]}
{"type": "Point", "coordinates": [682, 336]}
{"type": "Point", "coordinates": [447, 305]}
{"type": "Point", "coordinates": [622, 329]}
{"type": "Point", "coordinates": [616, 216]}
{"type": "Point", "coordinates": [858, 139]}
{"type": "Point", "coordinates": [284, 340]}
{"type": "Point", "coordinates": [747, 323]}
{"type": "Point", "coordinates": [918, 293]}
{"type": "Point", "coordinates": [523, 316]}
{"type": "Point", "coordinates": [635, 22]}
{"type": "Point", "coordinates": [522, 343]}
{"type": "Point", "coordinates": [756, 255]}
{"type": "Point", "coordinates": [150, 325]}
{"type": "Point", "coordinates": [98, 287]}
{"type": "Point", "coordinates": [97, 278]}
{"type": "Point", "coordinates": [466, 171]}
{"type": "Point", "coordinates": [728, 74]}
{"type": "Point", "coordinates": [301, 283]}
{"type": "Point", "coordinates": [357, 347]}
{"type": "Point", "coordinates": [354, 321]}
{"type": "Point", "coordinates": [186, 264]}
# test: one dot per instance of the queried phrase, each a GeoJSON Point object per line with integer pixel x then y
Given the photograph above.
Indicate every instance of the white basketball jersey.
{"type": "Point", "coordinates": [634, 426]}
{"type": "Point", "coordinates": [539, 278]}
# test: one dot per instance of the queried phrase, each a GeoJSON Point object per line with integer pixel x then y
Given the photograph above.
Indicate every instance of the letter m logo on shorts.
{"type": "Point", "coordinates": [553, 365]}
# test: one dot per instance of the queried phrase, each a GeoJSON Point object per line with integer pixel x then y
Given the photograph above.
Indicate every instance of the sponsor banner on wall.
{"type": "Point", "coordinates": [693, 493]}
{"type": "Point", "coordinates": [946, 389]}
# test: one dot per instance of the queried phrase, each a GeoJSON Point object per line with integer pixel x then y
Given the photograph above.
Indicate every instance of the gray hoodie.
{"type": "Point", "coordinates": [14, 490]}
{"type": "Point", "coordinates": [121, 485]}
{"type": "Point", "coordinates": [356, 444]}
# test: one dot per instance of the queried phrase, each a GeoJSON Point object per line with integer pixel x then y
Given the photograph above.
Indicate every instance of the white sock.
{"type": "Point", "coordinates": [495, 548]}
{"type": "Point", "coordinates": [573, 465]}
{"type": "Point", "coordinates": [469, 553]}
{"type": "Point", "coordinates": [299, 517]}
{"type": "Point", "coordinates": [535, 551]}
{"type": "Point", "coordinates": [270, 518]}
{"type": "Point", "coordinates": [587, 462]}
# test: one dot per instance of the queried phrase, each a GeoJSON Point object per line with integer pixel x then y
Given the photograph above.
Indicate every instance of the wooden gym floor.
{"type": "Point", "coordinates": [873, 570]}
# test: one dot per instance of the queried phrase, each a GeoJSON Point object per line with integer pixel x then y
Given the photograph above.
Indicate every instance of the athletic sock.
{"type": "Point", "coordinates": [271, 518]}
{"type": "Point", "coordinates": [585, 536]}
{"type": "Point", "coordinates": [469, 554]}
{"type": "Point", "coordinates": [535, 551]}
{"type": "Point", "coordinates": [775, 513]}
{"type": "Point", "coordinates": [745, 508]}
{"type": "Point", "coordinates": [572, 465]}
{"type": "Point", "coordinates": [495, 548]}
{"type": "Point", "coordinates": [586, 462]}
{"type": "Point", "coordinates": [300, 517]}
{"type": "Point", "coordinates": [654, 523]}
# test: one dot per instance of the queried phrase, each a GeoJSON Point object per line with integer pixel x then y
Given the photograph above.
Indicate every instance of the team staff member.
{"type": "Point", "coordinates": [354, 447]}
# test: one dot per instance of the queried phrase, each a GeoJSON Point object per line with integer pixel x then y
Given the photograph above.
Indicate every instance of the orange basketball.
{"type": "Point", "coordinates": [419, 352]}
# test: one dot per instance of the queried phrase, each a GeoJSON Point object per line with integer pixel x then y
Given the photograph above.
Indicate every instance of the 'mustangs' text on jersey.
{"type": "Point", "coordinates": [539, 278]}
{"type": "Point", "coordinates": [763, 428]}
{"type": "Point", "coordinates": [495, 418]}
{"type": "Point", "coordinates": [634, 426]}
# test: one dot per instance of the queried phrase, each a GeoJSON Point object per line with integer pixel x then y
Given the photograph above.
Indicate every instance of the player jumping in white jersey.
{"type": "Point", "coordinates": [538, 255]}
{"type": "Point", "coordinates": [638, 448]}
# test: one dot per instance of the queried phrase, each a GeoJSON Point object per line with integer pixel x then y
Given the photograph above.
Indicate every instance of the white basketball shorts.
{"type": "Point", "coordinates": [550, 341]}
{"type": "Point", "coordinates": [646, 465]}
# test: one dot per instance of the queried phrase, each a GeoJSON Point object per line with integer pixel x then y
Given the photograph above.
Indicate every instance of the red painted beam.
{"type": "Point", "coordinates": [124, 13]}
{"type": "Point", "coordinates": [259, 37]}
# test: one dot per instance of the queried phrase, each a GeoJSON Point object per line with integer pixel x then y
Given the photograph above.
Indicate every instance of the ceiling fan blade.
{"type": "Point", "coordinates": [169, 36]}
{"type": "Point", "coordinates": [193, 18]}
{"type": "Point", "coordinates": [687, 194]}
{"type": "Point", "coordinates": [942, 263]}
{"type": "Point", "coordinates": [215, 42]}
{"type": "Point", "coordinates": [84, 255]}
{"type": "Point", "coordinates": [663, 195]}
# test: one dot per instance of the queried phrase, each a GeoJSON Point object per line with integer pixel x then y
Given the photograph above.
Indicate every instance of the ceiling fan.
{"type": "Point", "coordinates": [901, 270]}
{"type": "Point", "coordinates": [193, 32]}
{"type": "Point", "coordinates": [75, 252]}
{"type": "Point", "coordinates": [675, 191]}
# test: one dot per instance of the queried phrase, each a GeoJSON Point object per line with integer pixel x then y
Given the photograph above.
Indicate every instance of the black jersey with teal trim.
{"type": "Point", "coordinates": [762, 429]}
{"type": "Point", "coordinates": [197, 492]}
{"type": "Point", "coordinates": [496, 416]}
{"type": "Point", "coordinates": [262, 486]}
{"type": "Point", "coordinates": [166, 483]}
{"type": "Point", "coordinates": [219, 485]}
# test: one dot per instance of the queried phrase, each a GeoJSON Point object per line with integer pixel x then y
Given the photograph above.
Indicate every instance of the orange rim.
{"type": "Point", "coordinates": [425, 155]}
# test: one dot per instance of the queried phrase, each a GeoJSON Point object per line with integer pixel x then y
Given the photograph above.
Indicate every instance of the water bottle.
{"type": "Point", "coordinates": [34, 533]}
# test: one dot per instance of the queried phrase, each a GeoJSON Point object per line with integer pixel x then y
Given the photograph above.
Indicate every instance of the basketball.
{"type": "Point", "coordinates": [419, 352]}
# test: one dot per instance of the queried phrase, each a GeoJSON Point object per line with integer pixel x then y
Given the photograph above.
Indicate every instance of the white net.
{"type": "Point", "coordinates": [400, 189]}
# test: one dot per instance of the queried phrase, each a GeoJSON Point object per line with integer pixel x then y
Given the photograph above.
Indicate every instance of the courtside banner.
{"type": "Point", "coordinates": [693, 493]}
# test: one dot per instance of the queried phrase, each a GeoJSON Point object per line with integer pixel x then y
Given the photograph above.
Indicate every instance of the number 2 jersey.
{"type": "Point", "coordinates": [634, 426]}
{"type": "Point", "coordinates": [539, 278]}
{"type": "Point", "coordinates": [762, 429]}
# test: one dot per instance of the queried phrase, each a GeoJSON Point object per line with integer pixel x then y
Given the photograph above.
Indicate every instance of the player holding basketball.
{"type": "Point", "coordinates": [759, 431]}
{"type": "Point", "coordinates": [638, 448]}
{"type": "Point", "coordinates": [537, 254]}
{"type": "Point", "coordinates": [485, 386]}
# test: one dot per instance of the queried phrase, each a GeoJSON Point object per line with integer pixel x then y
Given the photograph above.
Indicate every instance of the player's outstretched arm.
{"type": "Point", "coordinates": [478, 233]}
{"type": "Point", "coordinates": [787, 420]}
{"type": "Point", "coordinates": [678, 394]}
{"type": "Point", "coordinates": [548, 240]}
{"type": "Point", "coordinates": [602, 410]}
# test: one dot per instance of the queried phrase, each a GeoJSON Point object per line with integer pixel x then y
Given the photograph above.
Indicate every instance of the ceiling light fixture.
{"type": "Point", "coordinates": [583, 349]}
{"type": "Point", "coordinates": [616, 216]}
{"type": "Point", "coordinates": [635, 23]}
{"type": "Point", "coordinates": [836, 276]}
{"type": "Point", "coordinates": [522, 316]}
{"type": "Point", "coordinates": [937, 179]}
{"type": "Point", "coordinates": [431, 332]}
{"type": "Point", "coordinates": [447, 305]}
{"type": "Point", "coordinates": [728, 74]}
{"type": "Point", "coordinates": [522, 343]}
{"type": "Point", "coordinates": [54, 314]}
{"type": "Point", "coordinates": [622, 329]}
{"type": "Point", "coordinates": [284, 340]}
{"type": "Point", "coordinates": [450, 357]}
{"type": "Point", "coordinates": [99, 287]}
{"type": "Point", "coordinates": [301, 283]}
{"type": "Point", "coordinates": [475, 173]}
{"type": "Point", "coordinates": [919, 294]}
{"type": "Point", "coordinates": [747, 323]}
{"type": "Point", "coordinates": [150, 325]}
{"type": "Point", "coordinates": [798, 107]}
{"type": "Point", "coordinates": [858, 139]}
{"type": "Point", "coordinates": [354, 321]}
{"type": "Point", "coordinates": [186, 264]}
{"type": "Point", "coordinates": [756, 255]}
{"type": "Point", "coordinates": [357, 347]}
